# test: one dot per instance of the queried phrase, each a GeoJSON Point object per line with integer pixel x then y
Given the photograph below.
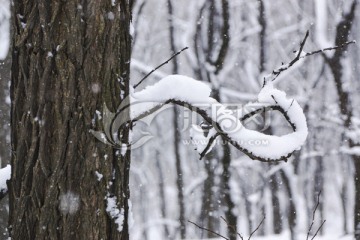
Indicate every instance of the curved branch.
{"type": "Point", "coordinates": [175, 89]}
{"type": "Point", "coordinates": [195, 96]}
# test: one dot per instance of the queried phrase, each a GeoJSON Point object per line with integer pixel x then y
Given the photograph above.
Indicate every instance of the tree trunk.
{"type": "Point", "coordinates": [291, 211]}
{"type": "Point", "coordinates": [69, 59]}
{"type": "Point", "coordinates": [162, 194]}
{"type": "Point", "coordinates": [230, 216]}
{"type": "Point", "coordinates": [177, 133]}
{"type": "Point", "coordinates": [276, 210]}
{"type": "Point", "coordinates": [344, 101]}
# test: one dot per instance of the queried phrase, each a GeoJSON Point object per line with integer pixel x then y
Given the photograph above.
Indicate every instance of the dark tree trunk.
{"type": "Point", "coordinates": [209, 205]}
{"type": "Point", "coordinates": [291, 211]}
{"type": "Point", "coordinates": [162, 194]}
{"type": "Point", "coordinates": [276, 210]}
{"type": "Point", "coordinates": [335, 64]}
{"type": "Point", "coordinates": [230, 216]}
{"type": "Point", "coordinates": [177, 133]}
{"type": "Point", "coordinates": [69, 59]}
{"type": "Point", "coordinates": [262, 35]}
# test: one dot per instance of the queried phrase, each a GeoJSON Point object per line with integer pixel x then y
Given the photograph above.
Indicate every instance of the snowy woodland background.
{"type": "Point", "coordinates": [169, 185]}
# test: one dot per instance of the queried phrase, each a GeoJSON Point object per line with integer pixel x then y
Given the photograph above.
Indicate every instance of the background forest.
{"type": "Point", "coordinates": [232, 45]}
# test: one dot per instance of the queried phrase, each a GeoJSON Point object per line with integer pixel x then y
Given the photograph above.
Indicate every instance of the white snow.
{"type": "Point", "coordinates": [4, 28]}
{"type": "Point", "coordinates": [110, 16]}
{"type": "Point", "coordinates": [69, 203]}
{"type": "Point", "coordinates": [95, 88]}
{"type": "Point", "coordinates": [132, 29]}
{"type": "Point", "coordinates": [175, 87]}
{"type": "Point", "coordinates": [99, 176]}
{"type": "Point", "coordinates": [123, 149]}
{"type": "Point", "coordinates": [196, 93]}
{"type": "Point", "coordinates": [98, 113]}
{"type": "Point", "coordinates": [354, 135]}
{"type": "Point", "coordinates": [114, 212]}
{"type": "Point", "coordinates": [5, 174]}
{"type": "Point", "coordinates": [351, 151]}
{"type": "Point", "coordinates": [131, 220]}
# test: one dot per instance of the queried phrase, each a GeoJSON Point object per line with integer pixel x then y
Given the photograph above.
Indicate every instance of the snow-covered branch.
{"type": "Point", "coordinates": [195, 95]}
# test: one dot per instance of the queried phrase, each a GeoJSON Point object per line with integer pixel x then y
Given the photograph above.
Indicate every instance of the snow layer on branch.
{"type": "Point", "coordinates": [5, 174]}
{"type": "Point", "coordinates": [275, 146]}
{"type": "Point", "coordinates": [175, 87]}
{"type": "Point", "coordinates": [193, 92]}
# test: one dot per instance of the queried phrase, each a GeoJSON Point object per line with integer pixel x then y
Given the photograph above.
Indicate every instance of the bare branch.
{"type": "Point", "coordinates": [208, 146]}
{"type": "Point", "coordinates": [313, 219]}
{"type": "Point", "coordinates": [301, 55]}
{"type": "Point", "coordinates": [328, 49]}
{"type": "Point", "coordinates": [321, 225]}
{"type": "Point", "coordinates": [278, 71]}
{"type": "Point", "coordinates": [209, 230]}
{"type": "Point", "coordinates": [264, 109]}
{"type": "Point", "coordinates": [166, 62]}
{"type": "Point", "coordinates": [257, 228]}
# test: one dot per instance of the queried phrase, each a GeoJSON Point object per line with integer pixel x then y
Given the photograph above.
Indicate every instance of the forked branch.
{"type": "Point", "coordinates": [301, 54]}
{"type": "Point", "coordinates": [313, 220]}
{"type": "Point", "coordinates": [166, 62]}
{"type": "Point", "coordinates": [209, 230]}
{"type": "Point", "coordinates": [233, 228]}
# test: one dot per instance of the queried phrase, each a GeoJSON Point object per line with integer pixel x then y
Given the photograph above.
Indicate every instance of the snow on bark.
{"type": "Point", "coordinates": [69, 203]}
{"type": "Point", "coordinates": [114, 212]}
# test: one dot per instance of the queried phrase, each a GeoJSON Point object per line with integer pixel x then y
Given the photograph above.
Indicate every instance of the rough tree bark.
{"type": "Point", "coordinates": [69, 59]}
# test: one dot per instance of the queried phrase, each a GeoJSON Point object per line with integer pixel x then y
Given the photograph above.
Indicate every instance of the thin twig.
{"type": "Point", "coordinates": [209, 230]}
{"type": "Point", "coordinates": [208, 146]}
{"type": "Point", "coordinates": [300, 55]}
{"type": "Point", "coordinates": [167, 61]}
{"type": "Point", "coordinates": [313, 217]}
{"type": "Point", "coordinates": [232, 227]}
{"type": "Point", "coordinates": [257, 227]}
{"type": "Point", "coordinates": [322, 224]}
{"type": "Point", "coordinates": [328, 49]}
